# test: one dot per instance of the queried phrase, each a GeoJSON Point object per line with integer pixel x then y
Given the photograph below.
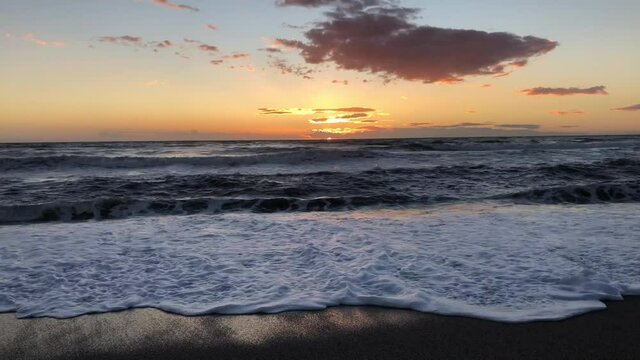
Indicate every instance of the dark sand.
{"type": "Point", "coordinates": [339, 333]}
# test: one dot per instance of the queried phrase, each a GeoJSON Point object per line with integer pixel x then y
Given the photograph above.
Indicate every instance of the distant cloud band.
{"type": "Point", "coordinates": [595, 90]}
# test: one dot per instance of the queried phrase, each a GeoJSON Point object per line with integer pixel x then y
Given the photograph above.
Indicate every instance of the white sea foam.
{"type": "Point", "coordinates": [508, 263]}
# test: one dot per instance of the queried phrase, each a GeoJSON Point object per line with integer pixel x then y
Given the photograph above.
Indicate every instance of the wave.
{"type": "Point", "coordinates": [132, 162]}
{"type": "Point", "coordinates": [118, 208]}
{"type": "Point", "coordinates": [579, 194]}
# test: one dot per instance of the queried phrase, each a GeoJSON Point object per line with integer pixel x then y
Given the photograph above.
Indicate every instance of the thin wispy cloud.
{"type": "Point", "coordinates": [566, 112]}
{"type": "Point", "coordinates": [284, 67]}
{"type": "Point", "coordinates": [570, 91]}
{"type": "Point", "coordinates": [635, 107]}
{"type": "Point", "coordinates": [29, 37]}
{"type": "Point", "coordinates": [463, 124]}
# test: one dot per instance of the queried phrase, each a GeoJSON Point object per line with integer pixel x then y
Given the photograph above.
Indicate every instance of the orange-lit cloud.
{"type": "Point", "coordinates": [635, 107]}
{"type": "Point", "coordinates": [595, 90]}
{"type": "Point", "coordinates": [566, 112]}
{"type": "Point", "coordinates": [33, 39]}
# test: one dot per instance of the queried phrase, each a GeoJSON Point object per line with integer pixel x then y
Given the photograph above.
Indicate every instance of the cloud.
{"type": "Point", "coordinates": [202, 46]}
{"type": "Point", "coordinates": [379, 37]}
{"type": "Point", "coordinates": [595, 90]}
{"type": "Point", "coordinates": [171, 5]}
{"type": "Point", "coordinates": [208, 48]}
{"type": "Point", "coordinates": [163, 44]}
{"type": "Point", "coordinates": [460, 125]}
{"type": "Point", "coordinates": [123, 40]}
{"type": "Point", "coordinates": [322, 132]}
{"type": "Point", "coordinates": [635, 107]}
{"type": "Point", "coordinates": [284, 67]}
{"type": "Point", "coordinates": [354, 109]}
{"type": "Point", "coordinates": [345, 115]}
{"type": "Point", "coordinates": [419, 124]}
{"type": "Point", "coordinates": [211, 27]}
{"type": "Point", "coordinates": [344, 118]}
{"type": "Point", "coordinates": [519, 126]}
{"type": "Point", "coordinates": [486, 86]}
{"type": "Point", "coordinates": [566, 112]}
{"type": "Point", "coordinates": [342, 82]}
{"type": "Point", "coordinates": [33, 39]}
{"type": "Point", "coordinates": [344, 112]}
{"type": "Point", "coordinates": [286, 111]}
{"type": "Point", "coordinates": [237, 56]}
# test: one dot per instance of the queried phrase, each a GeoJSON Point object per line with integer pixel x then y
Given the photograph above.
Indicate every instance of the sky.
{"type": "Point", "coordinates": [111, 70]}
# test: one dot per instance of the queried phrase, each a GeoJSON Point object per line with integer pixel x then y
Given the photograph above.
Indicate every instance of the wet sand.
{"type": "Point", "coordinates": [338, 333]}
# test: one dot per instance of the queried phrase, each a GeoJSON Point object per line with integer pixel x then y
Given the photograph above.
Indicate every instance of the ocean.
{"type": "Point", "coordinates": [509, 229]}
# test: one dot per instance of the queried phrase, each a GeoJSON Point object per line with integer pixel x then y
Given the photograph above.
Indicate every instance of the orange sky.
{"type": "Point", "coordinates": [146, 71]}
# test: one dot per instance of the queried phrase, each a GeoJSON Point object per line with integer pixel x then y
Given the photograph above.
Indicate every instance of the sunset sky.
{"type": "Point", "coordinates": [90, 70]}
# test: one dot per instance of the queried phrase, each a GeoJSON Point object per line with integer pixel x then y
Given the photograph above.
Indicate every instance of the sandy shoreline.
{"type": "Point", "coordinates": [346, 332]}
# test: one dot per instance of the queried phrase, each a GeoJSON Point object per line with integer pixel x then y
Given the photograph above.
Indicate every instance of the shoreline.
{"type": "Point", "coordinates": [335, 333]}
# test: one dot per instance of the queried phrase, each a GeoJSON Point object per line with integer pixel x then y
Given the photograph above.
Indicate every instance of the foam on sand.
{"type": "Point", "coordinates": [508, 263]}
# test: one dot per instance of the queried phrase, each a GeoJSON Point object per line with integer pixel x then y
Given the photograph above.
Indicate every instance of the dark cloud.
{"type": "Point", "coordinates": [162, 44]}
{"type": "Point", "coordinates": [238, 56]}
{"type": "Point", "coordinates": [379, 37]}
{"type": "Point", "coordinates": [462, 125]}
{"type": "Point", "coordinates": [595, 90]}
{"type": "Point", "coordinates": [123, 40]}
{"type": "Point", "coordinates": [272, 50]}
{"type": "Point", "coordinates": [208, 48]}
{"type": "Point", "coordinates": [342, 82]}
{"type": "Point", "coordinates": [635, 107]}
{"type": "Point", "coordinates": [172, 5]}
{"type": "Point", "coordinates": [419, 124]}
{"type": "Point", "coordinates": [519, 126]}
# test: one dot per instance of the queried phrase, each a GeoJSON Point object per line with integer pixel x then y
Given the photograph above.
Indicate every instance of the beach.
{"type": "Point", "coordinates": [336, 333]}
